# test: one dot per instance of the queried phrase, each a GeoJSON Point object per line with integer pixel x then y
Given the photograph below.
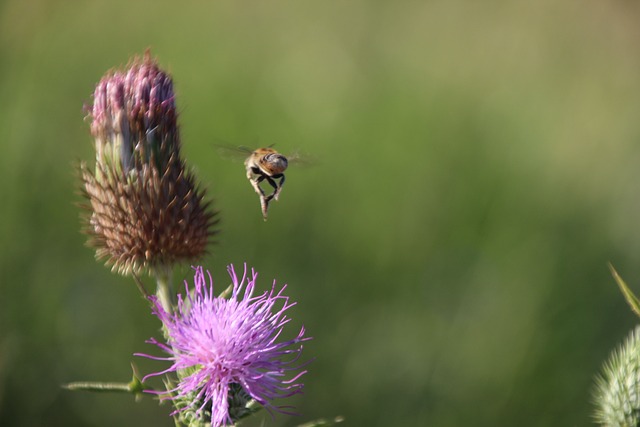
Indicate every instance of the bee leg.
{"type": "Point", "coordinates": [279, 189]}
{"type": "Point", "coordinates": [255, 183]}
{"type": "Point", "coordinates": [264, 200]}
{"type": "Point", "coordinates": [275, 188]}
{"type": "Point", "coordinates": [264, 204]}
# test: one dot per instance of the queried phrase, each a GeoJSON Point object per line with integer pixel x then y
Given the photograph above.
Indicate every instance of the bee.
{"type": "Point", "coordinates": [263, 164]}
{"type": "Point", "coordinates": [266, 164]}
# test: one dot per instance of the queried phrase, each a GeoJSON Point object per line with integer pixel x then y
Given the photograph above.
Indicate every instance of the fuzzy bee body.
{"type": "Point", "coordinates": [266, 161]}
{"type": "Point", "coordinates": [266, 164]}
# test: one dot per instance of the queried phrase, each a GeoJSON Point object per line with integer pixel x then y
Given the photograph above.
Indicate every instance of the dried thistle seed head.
{"type": "Point", "coordinates": [145, 210]}
{"type": "Point", "coordinates": [150, 221]}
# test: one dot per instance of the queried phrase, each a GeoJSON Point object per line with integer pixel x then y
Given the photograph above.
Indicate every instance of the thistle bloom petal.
{"type": "Point", "coordinates": [220, 346]}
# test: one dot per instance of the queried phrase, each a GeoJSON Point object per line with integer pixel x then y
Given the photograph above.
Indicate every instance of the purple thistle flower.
{"type": "Point", "coordinates": [221, 347]}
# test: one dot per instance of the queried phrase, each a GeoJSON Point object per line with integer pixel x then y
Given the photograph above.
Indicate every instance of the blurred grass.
{"type": "Point", "coordinates": [478, 169]}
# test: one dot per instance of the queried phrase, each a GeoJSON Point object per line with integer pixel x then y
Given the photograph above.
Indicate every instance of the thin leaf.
{"type": "Point", "coordinates": [632, 300]}
{"type": "Point", "coordinates": [134, 387]}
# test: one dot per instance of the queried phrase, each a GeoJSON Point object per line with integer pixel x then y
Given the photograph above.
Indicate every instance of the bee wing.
{"type": "Point", "coordinates": [232, 152]}
{"type": "Point", "coordinates": [302, 159]}
{"type": "Point", "coordinates": [241, 152]}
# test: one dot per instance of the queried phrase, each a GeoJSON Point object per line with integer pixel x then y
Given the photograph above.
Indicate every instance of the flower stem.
{"type": "Point", "coordinates": [134, 386]}
{"type": "Point", "coordinates": [98, 386]}
{"type": "Point", "coordinates": [164, 289]}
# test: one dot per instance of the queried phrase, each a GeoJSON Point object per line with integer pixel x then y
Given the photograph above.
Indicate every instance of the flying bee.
{"type": "Point", "coordinates": [266, 164]}
{"type": "Point", "coordinates": [263, 164]}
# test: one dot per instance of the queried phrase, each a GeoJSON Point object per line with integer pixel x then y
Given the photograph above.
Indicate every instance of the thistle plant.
{"type": "Point", "coordinates": [145, 213]}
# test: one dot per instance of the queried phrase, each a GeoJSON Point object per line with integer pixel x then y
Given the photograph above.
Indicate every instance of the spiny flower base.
{"type": "Point", "coordinates": [145, 220]}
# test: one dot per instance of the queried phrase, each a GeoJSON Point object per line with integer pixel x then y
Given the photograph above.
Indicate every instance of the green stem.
{"type": "Point", "coordinates": [134, 386]}
{"type": "Point", "coordinates": [164, 289]}
{"type": "Point", "coordinates": [98, 386]}
{"type": "Point", "coordinates": [165, 294]}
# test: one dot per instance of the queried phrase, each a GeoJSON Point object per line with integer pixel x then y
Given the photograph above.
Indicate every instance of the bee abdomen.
{"type": "Point", "coordinates": [274, 163]}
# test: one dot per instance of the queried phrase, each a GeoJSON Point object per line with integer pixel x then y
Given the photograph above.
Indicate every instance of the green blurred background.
{"type": "Point", "coordinates": [478, 167]}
